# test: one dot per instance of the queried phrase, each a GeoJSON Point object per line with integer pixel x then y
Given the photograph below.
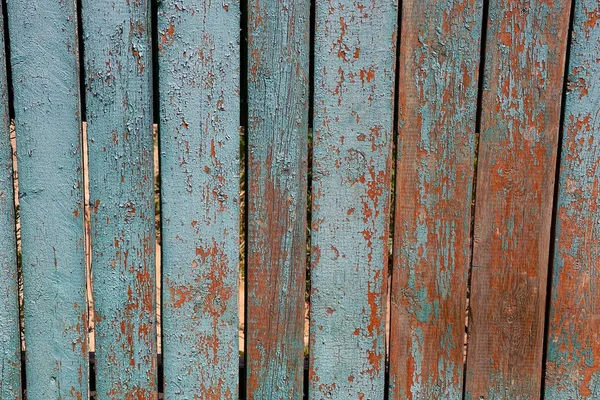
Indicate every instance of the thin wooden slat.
{"type": "Point", "coordinates": [199, 119]}
{"type": "Point", "coordinates": [119, 129]}
{"type": "Point", "coordinates": [438, 84]}
{"type": "Point", "coordinates": [524, 65]}
{"type": "Point", "coordinates": [573, 348]}
{"type": "Point", "coordinates": [355, 51]}
{"type": "Point", "coordinates": [10, 342]}
{"type": "Point", "coordinates": [278, 54]}
{"type": "Point", "coordinates": [44, 58]}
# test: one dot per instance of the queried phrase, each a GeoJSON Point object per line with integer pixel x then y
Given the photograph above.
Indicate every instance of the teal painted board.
{"type": "Point", "coordinates": [198, 67]}
{"type": "Point", "coordinates": [573, 349]}
{"type": "Point", "coordinates": [437, 96]}
{"type": "Point", "coordinates": [10, 341]}
{"type": "Point", "coordinates": [45, 73]}
{"type": "Point", "coordinates": [278, 90]}
{"type": "Point", "coordinates": [118, 61]}
{"type": "Point", "coordinates": [520, 117]}
{"type": "Point", "coordinates": [355, 59]}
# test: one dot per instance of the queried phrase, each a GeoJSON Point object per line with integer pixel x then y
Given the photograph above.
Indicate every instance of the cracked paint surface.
{"type": "Point", "coordinates": [573, 351]}
{"type": "Point", "coordinates": [44, 58]}
{"type": "Point", "coordinates": [10, 342]}
{"type": "Point", "coordinates": [352, 164]}
{"type": "Point", "coordinates": [524, 62]}
{"type": "Point", "coordinates": [438, 78]}
{"type": "Point", "coordinates": [119, 116]}
{"type": "Point", "coordinates": [199, 106]}
{"type": "Point", "coordinates": [278, 75]}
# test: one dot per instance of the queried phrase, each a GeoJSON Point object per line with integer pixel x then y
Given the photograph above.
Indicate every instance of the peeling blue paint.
{"type": "Point", "coordinates": [352, 166]}
{"type": "Point", "coordinates": [198, 66]}
{"type": "Point", "coordinates": [573, 350]}
{"type": "Point", "coordinates": [44, 58]}
{"type": "Point", "coordinates": [118, 66]}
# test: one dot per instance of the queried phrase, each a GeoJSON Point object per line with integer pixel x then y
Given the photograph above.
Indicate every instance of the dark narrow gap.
{"type": "Point", "coordinates": [81, 50]}
{"type": "Point", "coordinates": [243, 43]}
{"type": "Point", "coordinates": [482, 49]}
{"type": "Point", "coordinates": [11, 103]}
{"type": "Point", "coordinates": [16, 209]}
{"type": "Point", "coordinates": [85, 167]}
{"type": "Point", "coordinates": [311, 130]}
{"type": "Point", "coordinates": [392, 222]}
{"type": "Point", "coordinates": [480, 88]}
{"type": "Point", "coordinates": [157, 182]}
{"type": "Point", "coordinates": [555, 198]}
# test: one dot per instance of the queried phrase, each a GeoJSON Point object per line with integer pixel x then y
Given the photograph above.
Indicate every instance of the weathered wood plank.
{"type": "Point", "coordinates": [524, 65]}
{"type": "Point", "coordinates": [573, 349]}
{"type": "Point", "coordinates": [44, 58]}
{"type": "Point", "coordinates": [10, 342]}
{"type": "Point", "coordinates": [438, 83]}
{"type": "Point", "coordinates": [355, 52]}
{"type": "Point", "coordinates": [199, 119]}
{"type": "Point", "coordinates": [118, 61]}
{"type": "Point", "coordinates": [278, 77]}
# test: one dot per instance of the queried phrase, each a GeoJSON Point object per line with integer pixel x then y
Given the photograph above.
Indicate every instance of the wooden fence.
{"type": "Point", "coordinates": [460, 136]}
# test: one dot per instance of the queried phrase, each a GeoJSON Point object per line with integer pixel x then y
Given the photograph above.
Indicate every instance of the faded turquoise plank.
{"type": "Point", "coordinates": [278, 77]}
{"type": "Point", "coordinates": [198, 62]}
{"type": "Point", "coordinates": [573, 351]}
{"type": "Point", "coordinates": [438, 77]}
{"type": "Point", "coordinates": [10, 344]}
{"type": "Point", "coordinates": [44, 57]}
{"type": "Point", "coordinates": [118, 62]}
{"type": "Point", "coordinates": [355, 58]}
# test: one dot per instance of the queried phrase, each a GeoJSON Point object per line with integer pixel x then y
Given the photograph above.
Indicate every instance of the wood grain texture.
{"type": "Point", "coordinates": [278, 54]}
{"type": "Point", "coordinates": [199, 119]}
{"type": "Point", "coordinates": [355, 51]}
{"type": "Point", "coordinates": [10, 341]}
{"type": "Point", "coordinates": [119, 122]}
{"type": "Point", "coordinates": [44, 58]}
{"type": "Point", "coordinates": [573, 350]}
{"type": "Point", "coordinates": [438, 78]}
{"type": "Point", "coordinates": [524, 65]}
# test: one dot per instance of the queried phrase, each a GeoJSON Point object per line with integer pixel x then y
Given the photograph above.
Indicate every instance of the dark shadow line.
{"type": "Point", "coordinates": [559, 142]}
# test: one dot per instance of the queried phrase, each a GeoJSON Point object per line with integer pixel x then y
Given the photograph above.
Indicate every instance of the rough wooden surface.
{"type": "Point", "coordinates": [437, 84]}
{"type": "Point", "coordinates": [523, 79]}
{"type": "Point", "coordinates": [573, 350]}
{"type": "Point", "coordinates": [355, 58]}
{"type": "Point", "coordinates": [44, 59]}
{"type": "Point", "coordinates": [199, 118]}
{"type": "Point", "coordinates": [10, 342]}
{"type": "Point", "coordinates": [118, 61]}
{"type": "Point", "coordinates": [278, 53]}
{"type": "Point", "coordinates": [45, 70]}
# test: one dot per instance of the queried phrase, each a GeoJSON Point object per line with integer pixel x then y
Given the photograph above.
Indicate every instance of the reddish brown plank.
{"type": "Point", "coordinates": [438, 77]}
{"type": "Point", "coordinates": [524, 65]}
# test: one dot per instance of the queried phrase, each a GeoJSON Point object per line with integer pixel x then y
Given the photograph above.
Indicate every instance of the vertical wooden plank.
{"type": "Point", "coordinates": [44, 58]}
{"type": "Point", "coordinates": [573, 349]}
{"type": "Point", "coordinates": [10, 343]}
{"type": "Point", "coordinates": [524, 65]}
{"type": "Point", "coordinates": [119, 129]}
{"type": "Point", "coordinates": [355, 51]}
{"type": "Point", "coordinates": [278, 54]}
{"type": "Point", "coordinates": [199, 119]}
{"type": "Point", "coordinates": [438, 84]}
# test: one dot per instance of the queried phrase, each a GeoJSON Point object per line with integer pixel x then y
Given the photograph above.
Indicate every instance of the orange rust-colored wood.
{"type": "Point", "coordinates": [278, 52]}
{"type": "Point", "coordinates": [520, 118]}
{"type": "Point", "coordinates": [437, 91]}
